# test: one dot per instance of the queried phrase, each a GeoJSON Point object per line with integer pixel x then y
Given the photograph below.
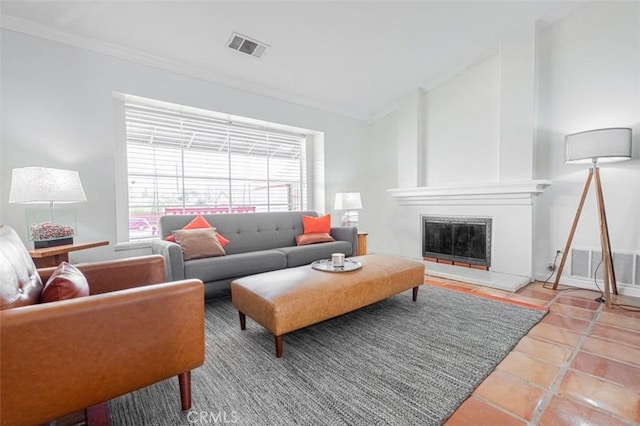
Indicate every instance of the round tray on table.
{"type": "Point", "coordinates": [327, 266]}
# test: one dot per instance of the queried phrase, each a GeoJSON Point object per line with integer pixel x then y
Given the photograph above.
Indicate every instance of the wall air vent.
{"type": "Point", "coordinates": [246, 45]}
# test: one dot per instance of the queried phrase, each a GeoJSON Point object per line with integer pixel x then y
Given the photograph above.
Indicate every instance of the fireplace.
{"type": "Point", "coordinates": [457, 239]}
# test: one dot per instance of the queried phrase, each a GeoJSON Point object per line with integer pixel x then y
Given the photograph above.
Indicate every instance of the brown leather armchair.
{"type": "Point", "coordinates": [61, 357]}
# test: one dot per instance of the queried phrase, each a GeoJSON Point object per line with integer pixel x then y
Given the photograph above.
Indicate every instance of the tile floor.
{"type": "Point", "coordinates": [579, 366]}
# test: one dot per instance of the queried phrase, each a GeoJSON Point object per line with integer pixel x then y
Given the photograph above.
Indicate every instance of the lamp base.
{"type": "Point", "coordinates": [350, 219]}
{"type": "Point", "coordinates": [52, 243]}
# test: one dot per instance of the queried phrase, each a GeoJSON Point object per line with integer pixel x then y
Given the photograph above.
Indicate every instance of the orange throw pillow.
{"type": "Point", "coordinates": [199, 222]}
{"type": "Point", "coordinates": [223, 241]}
{"type": "Point", "coordinates": [316, 225]}
{"type": "Point", "coordinates": [306, 239]}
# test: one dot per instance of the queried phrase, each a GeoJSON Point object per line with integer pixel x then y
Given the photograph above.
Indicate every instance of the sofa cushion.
{"type": "Point", "coordinates": [232, 266]}
{"type": "Point", "coordinates": [319, 237]}
{"type": "Point", "coordinates": [198, 243]}
{"type": "Point", "coordinates": [315, 225]}
{"type": "Point", "coordinates": [303, 255]}
{"type": "Point", "coordinates": [199, 222]}
{"type": "Point", "coordinates": [20, 284]}
{"type": "Point", "coordinates": [66, 282]}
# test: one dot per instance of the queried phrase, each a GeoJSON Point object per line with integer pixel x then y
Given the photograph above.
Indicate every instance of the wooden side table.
{"type": "Point", "coordinates": [53, 256]}
{"type": "Point", "coordinates": [362, 243]}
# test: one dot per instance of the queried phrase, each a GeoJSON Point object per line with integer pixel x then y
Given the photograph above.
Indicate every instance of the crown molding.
{"type": "Point", "coordinates": [392, 107]}
{"type": "Point", "coordinates": [47, 32]}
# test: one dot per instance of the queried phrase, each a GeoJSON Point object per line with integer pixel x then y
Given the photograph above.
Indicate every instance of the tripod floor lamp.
{"type": "Point", "coordinates": [596, 146]}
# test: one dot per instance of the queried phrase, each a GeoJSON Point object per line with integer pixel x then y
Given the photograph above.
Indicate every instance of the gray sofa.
{"type": "Point", "coordinates": [259, 242]}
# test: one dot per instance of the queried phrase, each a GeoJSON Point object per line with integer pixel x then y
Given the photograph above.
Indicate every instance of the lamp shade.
{"type": "Point", "coordinates": [42, 185]}
{"type": "Point", "coordinates": [348, 201]}
{"type": "Point", "coordinates": [600, 145]}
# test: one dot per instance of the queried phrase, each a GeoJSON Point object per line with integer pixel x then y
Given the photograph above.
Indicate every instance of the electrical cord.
{"type": "Point", "coordinates": [600, 299]}
{"type": "Point", "coordinates": [625, 307]}
{"type": "Point", "coordinates": [603, 300]}
{"type": "Point", "coordinates": [545, 282]}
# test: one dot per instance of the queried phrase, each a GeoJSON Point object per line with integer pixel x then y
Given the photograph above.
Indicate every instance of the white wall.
{"type": "Point", "coordinates": [505, 119]}
{"type": "Point", "coordinates": [410, 135]}
{"type": "Point", "coordinates": [462, 127]}
{"type": "Point", "coordinates": [379, 214]}
{"type": "Point", "coordinates": [470, 138]}
{"type": "Point", "coordinates": [58, 111]}
{"type": "Point", "coordinates": [518, 102]}
{"type": "Point", "coordinates": [589, 79]}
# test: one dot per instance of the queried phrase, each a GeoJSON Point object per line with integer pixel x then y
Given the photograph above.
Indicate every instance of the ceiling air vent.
{"type": "Point", "coordinates": [249, 46]}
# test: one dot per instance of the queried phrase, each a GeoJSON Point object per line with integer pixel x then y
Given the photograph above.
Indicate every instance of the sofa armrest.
{"type": "Point", "coordinates": [346, 233]}
{"type": "Point", "coordinates": [173, 262]}
{"type": "Point", "coordinates": [60, 357]}
{"type": "Point", "coordinates": [114, 275]}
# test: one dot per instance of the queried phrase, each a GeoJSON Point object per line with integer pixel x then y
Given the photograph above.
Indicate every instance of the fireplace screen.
{"type": "Point", "coordinates": [457, 239]}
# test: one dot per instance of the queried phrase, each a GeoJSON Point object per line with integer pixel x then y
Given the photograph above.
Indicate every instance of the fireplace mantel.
{"type": "Point", "coordinates": [493, 193]}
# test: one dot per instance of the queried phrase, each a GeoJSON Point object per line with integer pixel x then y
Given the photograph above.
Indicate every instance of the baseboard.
{"type": "Point", "coordinates": [624, 290]}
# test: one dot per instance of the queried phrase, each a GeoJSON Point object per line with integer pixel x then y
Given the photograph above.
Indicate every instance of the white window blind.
{"type": "Point", "coordinates": [185, 163]}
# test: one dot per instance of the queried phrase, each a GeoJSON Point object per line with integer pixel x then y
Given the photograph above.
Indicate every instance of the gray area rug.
{"type": "Point", "coordinates": [394, 363]}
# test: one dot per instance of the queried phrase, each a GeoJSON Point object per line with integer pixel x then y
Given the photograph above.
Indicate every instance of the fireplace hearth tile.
{"type": "Point", "coordinates": [491, 279]}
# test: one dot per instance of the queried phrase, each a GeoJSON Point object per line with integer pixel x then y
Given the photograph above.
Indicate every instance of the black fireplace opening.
{"type": "Point", "coordinates": [457, 239]}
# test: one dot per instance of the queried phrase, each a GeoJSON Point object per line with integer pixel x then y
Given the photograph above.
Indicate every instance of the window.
{"type": "Point", "coordinates": [183, 161]}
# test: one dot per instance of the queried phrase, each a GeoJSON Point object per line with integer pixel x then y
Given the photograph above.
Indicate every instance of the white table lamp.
{"type": "Point", "coordinates": [47, 186]}
{"type": "Point", "coordinates": [350, 202]}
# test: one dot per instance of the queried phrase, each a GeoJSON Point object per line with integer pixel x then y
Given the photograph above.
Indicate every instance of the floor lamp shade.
{"type": "Point", "coordinates": [598, 146]}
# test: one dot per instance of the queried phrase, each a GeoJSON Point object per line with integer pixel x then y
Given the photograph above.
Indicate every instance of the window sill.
{"type": "Point", "coordinates": [132, 245]}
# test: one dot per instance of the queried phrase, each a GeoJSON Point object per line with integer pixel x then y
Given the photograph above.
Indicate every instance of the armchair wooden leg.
{"type": "Point", "coordinates": [184, 380]}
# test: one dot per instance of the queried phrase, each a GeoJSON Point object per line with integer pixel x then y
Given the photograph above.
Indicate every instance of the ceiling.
{"type": "Point", "coordinates": [356, 58]}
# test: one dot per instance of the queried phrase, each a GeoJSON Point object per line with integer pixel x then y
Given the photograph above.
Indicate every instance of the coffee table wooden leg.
{"type": "Point", "coordinates": [184, 381]}
{"type": "Point", "coordinates": [415, 293]}
{"type": "Point", "coordinates": [278, 346]}
{"type": "Point", "coordinates": [243, 321]}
